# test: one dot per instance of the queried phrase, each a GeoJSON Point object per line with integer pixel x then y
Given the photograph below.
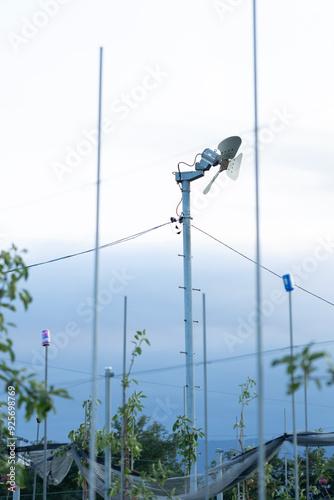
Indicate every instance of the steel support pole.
{"type": "Point", "coordinates": [285, 454]}
{"type": "Point", "coordinates": [259, 339]}
{"type": "Point", "coordinates": [107, 459]}
{"type": "Point", "coordinates": [306, 449]}
{"type": "Point", "coordinates": [35, 474]}
{"type": "Point", "coordinates": [293, 407]}
{"type": "Point", "coordinates": [92, 441]}
{"type": "Point", "coordinates": [84, 482]}
{"type": "Point", "coordinates": [123, 393]}
{"type": "Point", "coordinates": [188, 310]}
{"type": "Point", "coordinates": [219, 460]}
{"type": "Point", "coordinates": [205, 402]}
{"type": "Point", "coordinates": [45, 428]}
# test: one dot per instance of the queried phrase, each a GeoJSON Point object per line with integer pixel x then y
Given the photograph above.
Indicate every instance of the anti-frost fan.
{"type": "Point", "coordinates": [228, 161]}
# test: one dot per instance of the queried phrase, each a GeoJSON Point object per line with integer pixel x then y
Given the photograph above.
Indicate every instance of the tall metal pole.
{"type": "Point", "coordinates": [107, 460]}
{"type": "Point", "coordinates": [84, 482]}
{"type": "Point", "coordinates": [306, 449]}
{"type": "Point", "coordinates": [242, 436]}
{"type": "Point", "coordinates": [123, 390]}
{"type": "Point", "coordinates": [219, 460]}
{"type": "Point", "coordinates": [285, 453]}
{"type": "Point", "coordinates": [293, 408]}
{"type": "Point", "coordinates": [188, 309]}
{"type": "Point", "coordinates": [209, 159]}
{"type": "Point", "coordinates": [46, 339]}
{"type": "Point", "coordinates": [237, 447]}
{"type": "Point", "coordinates": [35, 474]}
{"type": "Point", "coordinates": [289, 286]}
{"type": "Point", "coordinates": [45, 428]}
{"type": "Point", "coordinates": [92, 476]}
{"type": "Point", "coordinates": [205, 404]}
{"type": "Point", "coordinates": [260, 377]}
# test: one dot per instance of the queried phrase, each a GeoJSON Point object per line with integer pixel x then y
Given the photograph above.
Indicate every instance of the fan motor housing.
{"type": "Point", "coordinates": [208, 160]}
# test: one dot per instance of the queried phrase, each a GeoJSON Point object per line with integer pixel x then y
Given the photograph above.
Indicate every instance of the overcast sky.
{"type": "Point", "coordinates": [177, 78]}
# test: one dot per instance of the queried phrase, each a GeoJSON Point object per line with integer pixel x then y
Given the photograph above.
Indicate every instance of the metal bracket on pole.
{"type": "Point", "coordinates": [188, 176]}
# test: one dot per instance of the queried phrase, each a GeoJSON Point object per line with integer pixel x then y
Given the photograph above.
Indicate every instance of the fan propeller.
{"type": "Point", "coordinates": [228, 160]}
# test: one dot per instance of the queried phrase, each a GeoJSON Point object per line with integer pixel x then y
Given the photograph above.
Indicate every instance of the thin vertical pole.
{"type": "Point", "coordinates": [84, 482]}
{"type": "Point", "coordinates": [45, 428]}
{"type": "Point", "coordinates": [293, 407]}
{"type": "Point", "coordinates": [107, 460]}
{"type": "Point", "coordinates": [219, 460]}
{"type": "Point", "coordinates": [123, 389]}
{"type": "Point", "coordinates": [261, 459]}
{"type": "Point", "coordinates": [185, 414]}
{"type": "Point", "coordinates": [306, 449]}
{"type": "Point", "coordinates": [205, 403]}
{"type": "Point", "coordinates": [188, 320]}
{"type": "Point", "coordinates": [35, 474]}
{"type": "Point", "coordinates": [92, 478]}
{"type": "Point", "coordinates": [242, 435]}
{"type": "Point", "coordinates": [17, 492]}
{"type": "Point", "coordinates": [285, 453]}
{"type": "Point", "coordinates": [237, 447]}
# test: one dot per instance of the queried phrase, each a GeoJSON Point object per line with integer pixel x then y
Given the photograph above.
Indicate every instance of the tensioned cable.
{"type": "Point", "coordinates": [174, 367]}
{"type": "Point", "coordinates": [137, 235]}
{"type": "Point", "coordinates": [221, 360]}
{"type": "Point", "coordinates": [198, 363]}
{"type": "Point", "coordinates": [106, 245]}
{"type": "Point", "coordinates": [232, 394]}
{"type": "Point", "coordinates": [263, 267]}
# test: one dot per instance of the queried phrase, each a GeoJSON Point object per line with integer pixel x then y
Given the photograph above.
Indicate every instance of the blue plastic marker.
{"type": "Point", "coordinates": [288, 282]}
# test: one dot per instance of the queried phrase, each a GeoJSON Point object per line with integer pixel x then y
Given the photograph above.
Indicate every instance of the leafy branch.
{"type": "Point", "coordinates": [300, 367]}
{"type": "Point", "coordinates": [188, 441]}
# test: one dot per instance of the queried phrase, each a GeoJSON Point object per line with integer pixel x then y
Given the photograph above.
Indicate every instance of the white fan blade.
{"type": "Point", "coordinates": [229, 147]}
{"type": "Point", "coordinates": [233, 167]}
{"type": "Point", "coordinates": [208, 187]}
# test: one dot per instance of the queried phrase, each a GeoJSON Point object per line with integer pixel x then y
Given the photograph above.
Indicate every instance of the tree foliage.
{"type": "Point", "coordinates": [156, 443]}
{"type": "Point", "coordinates": [29, 392]}
{"type": "Point", "coordinates": [23, 388]}
{"type": "Point", "coordinates": [188, 437]}
{"type": "Point", "coordinates": [301, 366]}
